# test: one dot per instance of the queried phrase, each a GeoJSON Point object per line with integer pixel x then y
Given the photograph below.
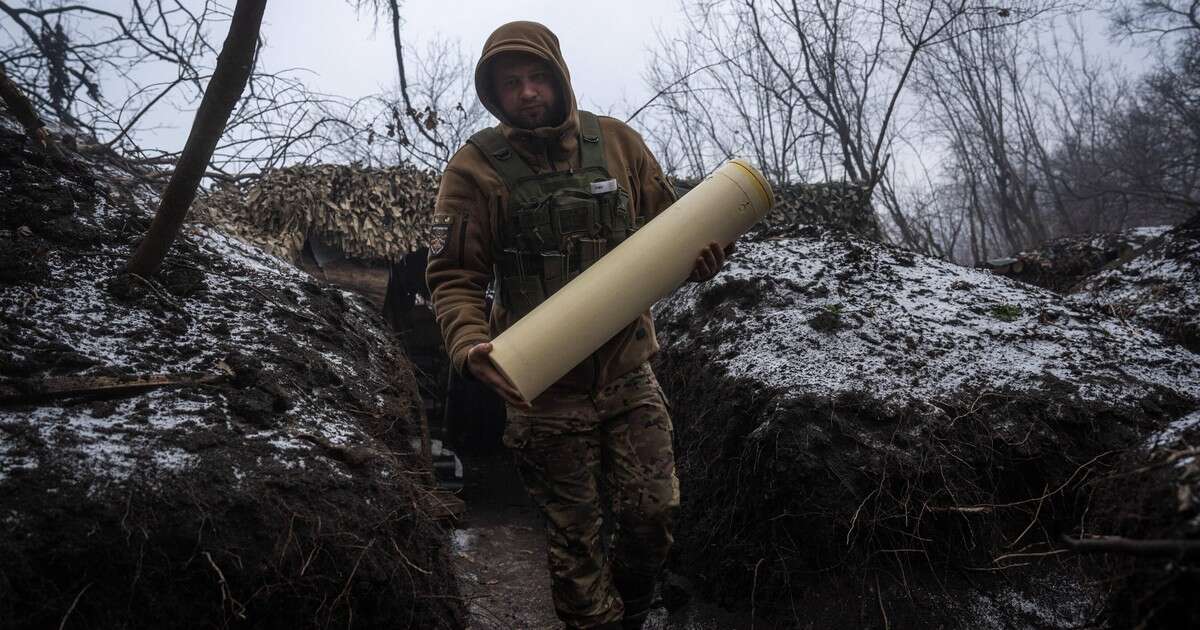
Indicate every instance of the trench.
{"type": "Point", "coordinates": [499, 555]}
{"type": "Point", "coordinates": [499, 545]}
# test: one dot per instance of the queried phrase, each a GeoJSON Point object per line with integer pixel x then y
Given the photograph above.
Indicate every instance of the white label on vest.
{"type": "Point", "coordinates": [606, 186]}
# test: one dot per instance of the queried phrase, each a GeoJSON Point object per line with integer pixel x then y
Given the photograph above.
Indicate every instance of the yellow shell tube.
{"type": "Point", "coordinates": [574, 322]}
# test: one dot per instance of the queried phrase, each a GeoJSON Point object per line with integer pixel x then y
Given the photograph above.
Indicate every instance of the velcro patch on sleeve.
{"type": "Point", "coordinates": [440, 234]}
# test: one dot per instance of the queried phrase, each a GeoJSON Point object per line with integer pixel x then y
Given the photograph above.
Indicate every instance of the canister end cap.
{"type": "Point", "coordinates": [763, 185]}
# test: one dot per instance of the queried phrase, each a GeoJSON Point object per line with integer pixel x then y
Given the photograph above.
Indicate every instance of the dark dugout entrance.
{"type": "Point", "coordinates": [463, 412]}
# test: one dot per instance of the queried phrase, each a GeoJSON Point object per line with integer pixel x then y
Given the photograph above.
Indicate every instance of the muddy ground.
{"type": "Point", "coordinates": [499, 550]}
{"type": "Point", "coordinates": [500, 558]}
{"type": "Point", "coordinates": [867, 437]}
{"type": "Point", "coordinates": [282, 491]}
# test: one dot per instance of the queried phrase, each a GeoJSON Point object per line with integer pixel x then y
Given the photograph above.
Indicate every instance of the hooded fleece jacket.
{"type": "Point", "coordinates": [473, 200]}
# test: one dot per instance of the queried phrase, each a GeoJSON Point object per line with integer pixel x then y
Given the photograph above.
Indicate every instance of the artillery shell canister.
{"type": "Point", "coordinates": [574, 322]}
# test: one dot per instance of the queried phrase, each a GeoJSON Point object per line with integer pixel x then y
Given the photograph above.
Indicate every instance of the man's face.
{"type": "Point", "coordinates": [526, 88]}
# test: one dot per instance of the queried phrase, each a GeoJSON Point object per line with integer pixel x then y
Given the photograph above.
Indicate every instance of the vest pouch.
{"type": "Point", "coordinates": [554, 272]}
{"type": "Point", "coordinates": [590, 250]}
{"type": "Point", "coordinates": [619, 224]}
{"type": "Point", "coordinates": [530, 226]}
{"type": "Point", "coordinates": [573, 212]}
{"type": "Point", "coordinates": [521, 294]}
{"type": "Point", "coordinates": [622, 220]}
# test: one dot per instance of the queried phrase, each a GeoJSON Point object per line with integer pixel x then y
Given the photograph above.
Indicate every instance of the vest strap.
{"type": "Point", "coordinates": [557, 223]}
{"type": "Point", "coordinates": [591, 143]}
{"type": "Point", "coordinates": [512, 169]}
{"type": "Point", "coordinates": [508, 165]}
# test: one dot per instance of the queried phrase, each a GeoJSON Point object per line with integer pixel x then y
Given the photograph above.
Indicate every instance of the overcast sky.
{"type": "Point", "coordinates": [349, 55]}
{"type": "Point", "coordinates": [607, 49]}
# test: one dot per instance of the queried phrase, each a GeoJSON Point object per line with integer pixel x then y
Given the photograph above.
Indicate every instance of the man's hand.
{"type": "Point", "coordinates": [710, 261]}
{"type": "Point", "coordinates": [482, 369]}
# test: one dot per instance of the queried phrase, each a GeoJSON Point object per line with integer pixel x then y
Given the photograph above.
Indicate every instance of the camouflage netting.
{"type": "Point", "coordinates": [864, 433]}
{"type": "Point", "coordinates": [370, 213]}
{"type": "Point", "coordinates": [382, 214]}
{"type": "Point", "coordinates": [1158, 288]}
{"type": "Point", "coordinates": [835, 204]}
{"type": "Point", "coordinates": [1062, 263]}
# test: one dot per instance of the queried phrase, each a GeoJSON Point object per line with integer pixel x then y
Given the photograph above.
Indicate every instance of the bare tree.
{"type": "Point", "coordinates": [718, 96]}
{"type": "Point", "coordinates": [434, 109]}
{"type": "Point", "coordinates": [810, 89]}
{"type": "Point", "coordinates": [853, 62]}
{"type": "Point", "coordinates": [441, 84]}
{"type": "Point", "coordinates": [222, 93]}
{"type": "Point", "coordinates": [987, 116]}
{"type": "Point", "coordinates": [1044, 137]}
{"type": "Point", "coordinates": [1146, 166]}
{"type": "Point", "coordinates": [1157, 18]}
{"type": "Point", "coordinates": [107, 75]}
{"type": "Point", "coordinates": [61, 53]}
{"type": "Point", "coordinates": [1152, 152]}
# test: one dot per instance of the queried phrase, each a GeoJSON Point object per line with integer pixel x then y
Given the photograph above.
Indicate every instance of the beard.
{"type": "Point", "coordinates": [539, 115]}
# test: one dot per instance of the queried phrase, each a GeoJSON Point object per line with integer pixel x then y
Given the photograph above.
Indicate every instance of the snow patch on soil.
{"type": "Point", "coordinates": [863, 318]}
{"type": "Point", "coordinates": [1027, 606]}
{"type": "Point", "coordinates": [463, 540]}
{"type": "Point", "coordinates": [1159, 288]}
{"type": "Point", "coordinates": [902, 402]}
{"type": "Point", "coordinates": [77, 314]}
{"type": "Point", "coordinates": [1174, 431]}
{"type": "Point", "coordinates": [1149, 232]}
{"type": "Point", "coordinates": [1061, 263]}
{"type": "Point", "coordinates": [248, 258]}
{"type": "Point", "coordinates": [283, 425]}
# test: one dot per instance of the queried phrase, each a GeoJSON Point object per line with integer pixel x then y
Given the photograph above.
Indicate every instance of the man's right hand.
{"type": "Point", "coordinates": [483, 370]}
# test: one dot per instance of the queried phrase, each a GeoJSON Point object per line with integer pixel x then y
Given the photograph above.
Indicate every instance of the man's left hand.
{"type": "Point", "coordinates": [710, 261]}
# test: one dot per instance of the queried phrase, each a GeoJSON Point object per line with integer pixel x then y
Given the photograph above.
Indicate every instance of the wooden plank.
{"type": "Point", "coordinates": [52, 387]}
{"type": "Point", "coordinates": [441, 505]}
{"type": "Point", "coordinates": [1158, 548]}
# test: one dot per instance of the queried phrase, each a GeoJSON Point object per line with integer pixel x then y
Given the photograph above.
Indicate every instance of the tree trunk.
{"type": "Point", "coordinates": [20, 106]}
{"type": "Point", "coordinates": [228, 81]}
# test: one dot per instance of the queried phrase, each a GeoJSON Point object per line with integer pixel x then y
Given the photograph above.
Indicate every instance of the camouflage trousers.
{"type": "Point", "coordinates": [575, 451]}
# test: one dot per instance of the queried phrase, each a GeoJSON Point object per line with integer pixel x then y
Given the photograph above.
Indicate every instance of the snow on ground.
{"type": "Point", "coordinates": [1061, 263]}
{"type": "Point", "coordinates": [1159, 288]}
{"type": "Point", "coordinates": [835, 398]}
{"type": "Point", "coordinates": [830, 316]}
{"type": "Point", "coordinates": [248, 258]}
{"type": "Point", "coordinates": [1173, 432]}
{"type": "Point", "coordinates": [1147, 233]}
{"type": "Point", "coordinates": [286, 428]}
{"type": "Point", "coordinates": [1030, 606]}
{"type": "Point", "coordinates": [76, 312]}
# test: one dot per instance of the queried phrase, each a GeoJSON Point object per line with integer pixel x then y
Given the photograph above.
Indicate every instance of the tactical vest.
{"type": "Point", "coordinates": [557, 224]}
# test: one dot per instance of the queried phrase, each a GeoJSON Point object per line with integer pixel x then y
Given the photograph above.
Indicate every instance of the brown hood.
{"type": "Point", "coordinates": [535, 39]}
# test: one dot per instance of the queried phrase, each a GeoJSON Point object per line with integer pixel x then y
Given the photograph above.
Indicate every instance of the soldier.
{"type": "Point", "coordinates": [530, 204]}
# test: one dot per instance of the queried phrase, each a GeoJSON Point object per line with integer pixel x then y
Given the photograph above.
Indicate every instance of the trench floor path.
{"type": "Point", "coordinates": [500, 558]}
{"type": "Point", "coordinates": [500, 550]}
